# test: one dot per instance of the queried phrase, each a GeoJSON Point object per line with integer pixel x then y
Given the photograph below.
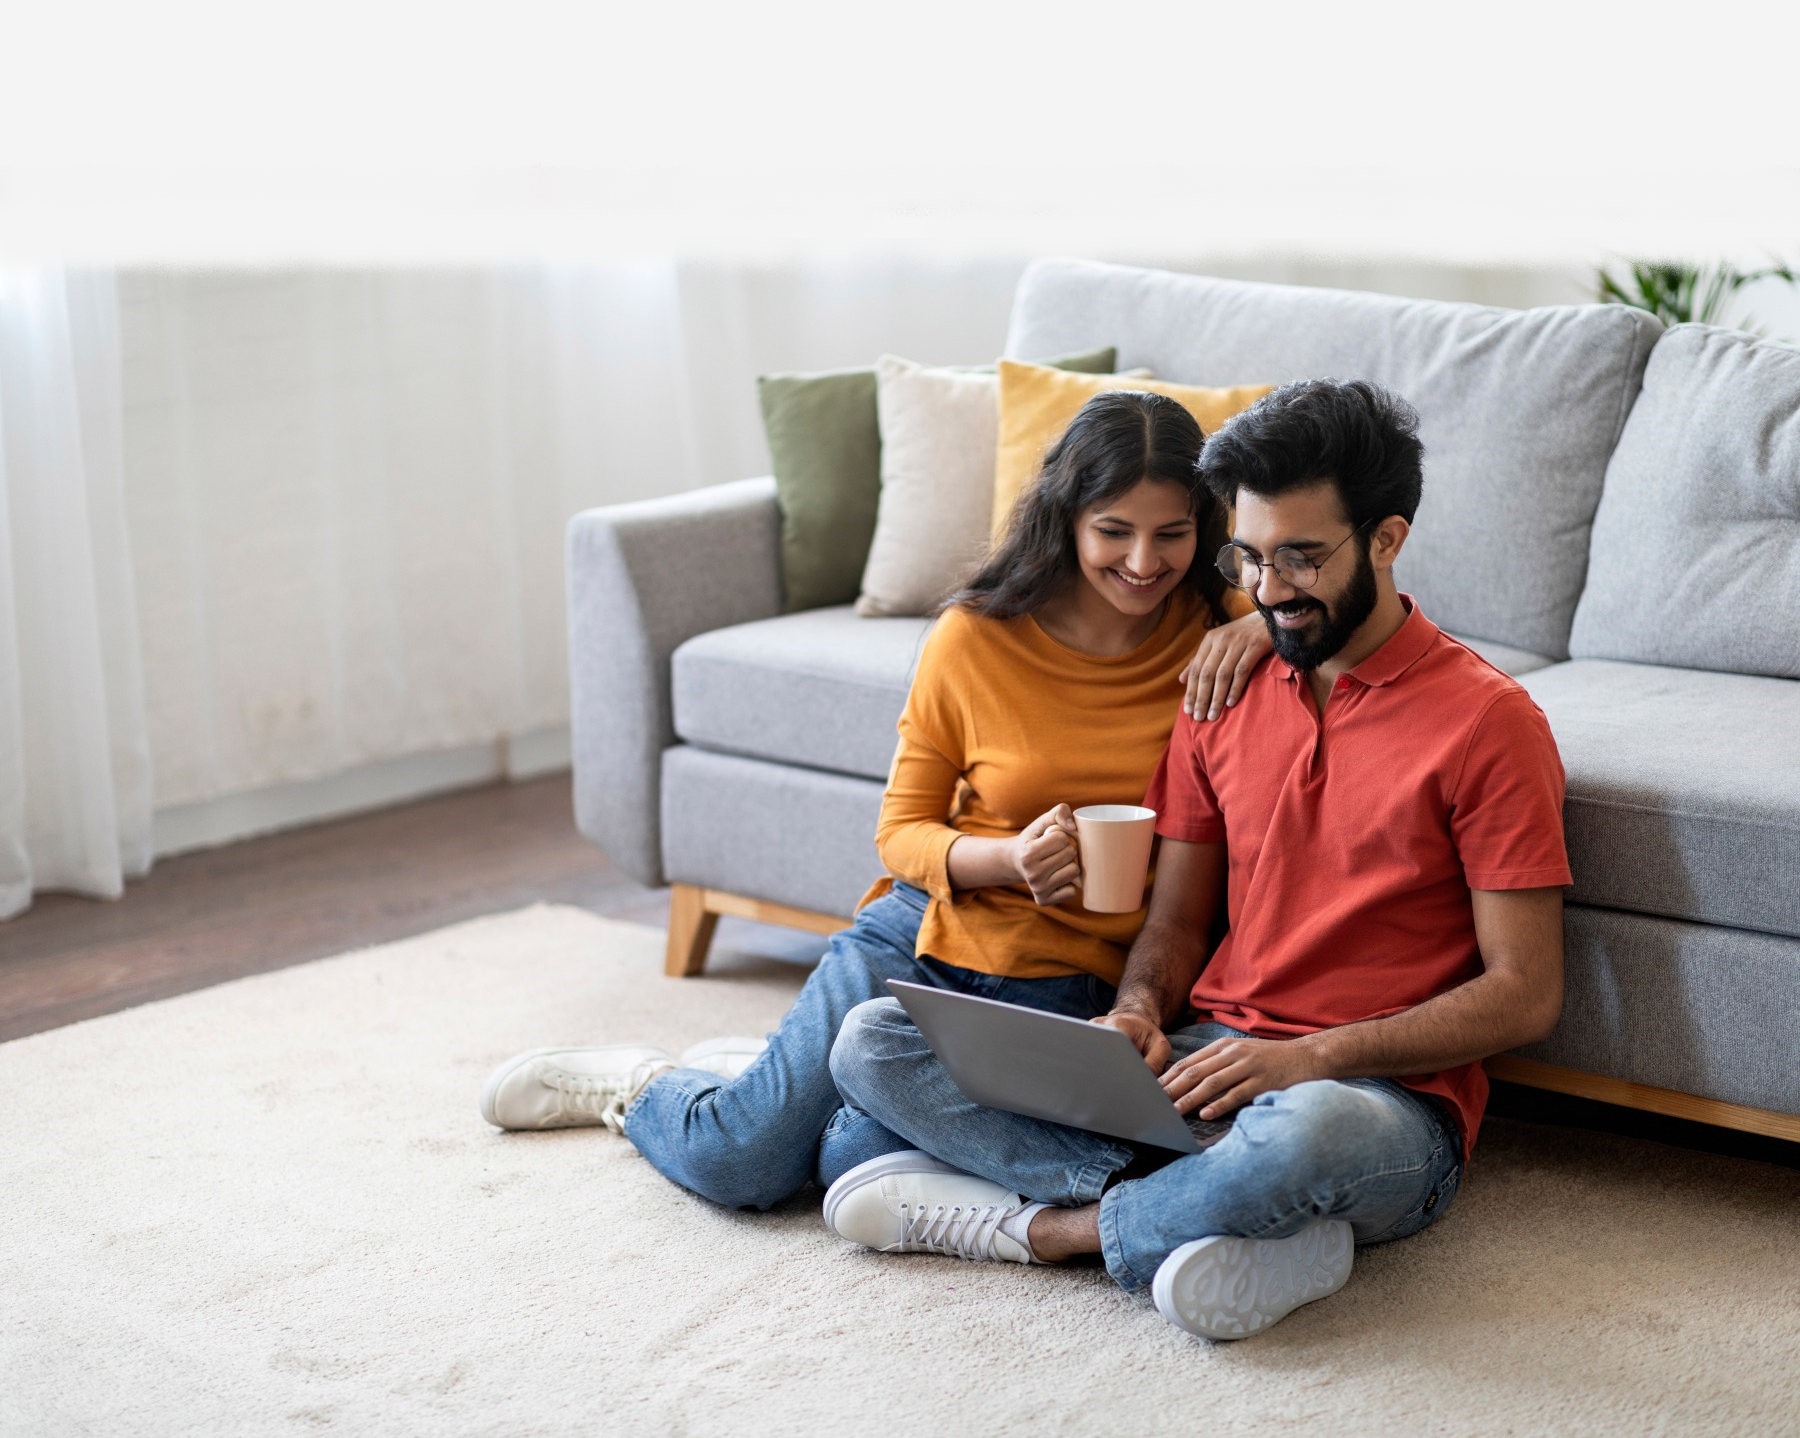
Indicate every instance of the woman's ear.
{"type": "Point", "coordinates": [1386, 541]}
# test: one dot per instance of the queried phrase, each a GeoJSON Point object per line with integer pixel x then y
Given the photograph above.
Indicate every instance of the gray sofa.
{"type": "Point", "coordinates": [1611, 513]}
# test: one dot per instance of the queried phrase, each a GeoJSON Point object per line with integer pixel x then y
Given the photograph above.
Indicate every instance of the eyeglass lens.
{"type": "Point", "coordinates": [1243, 569]}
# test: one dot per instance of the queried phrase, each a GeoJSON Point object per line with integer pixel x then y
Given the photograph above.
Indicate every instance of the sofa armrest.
{"type": "Point", "coordinates": [643, 578]}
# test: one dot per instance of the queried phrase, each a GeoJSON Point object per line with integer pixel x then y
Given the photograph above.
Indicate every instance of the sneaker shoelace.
{"type": "Point", "coordinates": [952, 1230]}
{"type": "Point", "coordinates": [603, 1097]}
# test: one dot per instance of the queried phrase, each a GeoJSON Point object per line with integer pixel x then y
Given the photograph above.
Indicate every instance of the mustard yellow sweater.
{"type": "Point", "coordinates": [1004, 723]}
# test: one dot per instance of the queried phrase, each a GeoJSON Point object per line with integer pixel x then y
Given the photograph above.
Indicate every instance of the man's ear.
{"type": "Point", "coordinates": [1386, 541]}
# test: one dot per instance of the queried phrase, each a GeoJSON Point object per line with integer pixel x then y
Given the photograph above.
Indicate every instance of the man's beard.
{"type": "Point", "coordinates": [1330, 630]}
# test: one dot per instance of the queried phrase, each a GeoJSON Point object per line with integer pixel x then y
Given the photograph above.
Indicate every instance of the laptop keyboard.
{"type": "Point", "coordinates": [1208, 1131]}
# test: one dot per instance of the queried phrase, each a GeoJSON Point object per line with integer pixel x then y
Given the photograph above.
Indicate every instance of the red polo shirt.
{"type": "Point", "coordinates": [1354, 840]}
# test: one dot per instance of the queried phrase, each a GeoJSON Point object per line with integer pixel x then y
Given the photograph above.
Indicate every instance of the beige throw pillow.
{"type": "Point", "coordinates": [939, 428]}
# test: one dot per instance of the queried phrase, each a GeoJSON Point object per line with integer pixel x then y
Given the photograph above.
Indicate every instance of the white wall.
{"type": "Point", "coordinates": [347, 492]}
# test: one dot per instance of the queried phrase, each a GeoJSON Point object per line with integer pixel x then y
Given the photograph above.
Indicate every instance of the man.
{"type": "Point", "coordinates": [1381, 817]}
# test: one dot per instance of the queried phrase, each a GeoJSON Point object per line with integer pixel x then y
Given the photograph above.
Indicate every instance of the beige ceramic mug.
{"type": "Point", "coordinates": [1115, 844]}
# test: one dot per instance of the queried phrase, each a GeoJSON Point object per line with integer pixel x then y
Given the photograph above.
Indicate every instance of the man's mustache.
{"type": "Point", "coordinates": [1291, 606]}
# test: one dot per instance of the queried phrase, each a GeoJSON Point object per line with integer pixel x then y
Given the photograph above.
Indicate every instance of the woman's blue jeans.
{"type": "Point", "coordinates": [1368, 1151]}
{"type": "Point", "coordinates": [753, 1141]}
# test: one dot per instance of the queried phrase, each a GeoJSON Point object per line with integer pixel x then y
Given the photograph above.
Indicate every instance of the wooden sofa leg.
{"type": "Point", "coordinates": [691, 926]}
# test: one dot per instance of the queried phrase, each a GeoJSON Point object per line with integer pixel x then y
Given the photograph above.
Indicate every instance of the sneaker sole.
{"type": "Point", "coordinates": [910, 1160]}
{"type": "Point", "coordinates": [1223, 1288]}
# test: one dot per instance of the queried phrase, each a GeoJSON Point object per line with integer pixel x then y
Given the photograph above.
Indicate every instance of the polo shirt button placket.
{"type": "Point", "coordinates": [1330, 712]}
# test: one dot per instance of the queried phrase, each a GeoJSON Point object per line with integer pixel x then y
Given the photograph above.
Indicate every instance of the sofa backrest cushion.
{"type": "Point", "coordinates": [1519, 411]}
{"type": "Point", "coordinates": [1696, 552]}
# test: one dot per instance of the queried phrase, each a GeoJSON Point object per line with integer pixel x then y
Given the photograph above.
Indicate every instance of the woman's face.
{"type": "Point", "coordinates": [1135, 547]}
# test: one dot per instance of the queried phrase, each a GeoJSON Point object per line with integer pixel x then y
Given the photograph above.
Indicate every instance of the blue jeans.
{"type": "Point", "coordinates": [753, 1141]}
{"type": "Point", "coordinates": [1368, 1151]}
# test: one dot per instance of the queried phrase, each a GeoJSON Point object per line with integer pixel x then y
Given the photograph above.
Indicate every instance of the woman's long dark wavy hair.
{"type": "Point", "coordinates": [1119, 437]}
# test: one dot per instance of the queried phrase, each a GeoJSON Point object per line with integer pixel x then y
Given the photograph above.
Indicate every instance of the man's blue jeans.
{"type": "Point", "coordinates": [752, 1142]}
{"type": "Point", "coordinates": [1368, 1151]}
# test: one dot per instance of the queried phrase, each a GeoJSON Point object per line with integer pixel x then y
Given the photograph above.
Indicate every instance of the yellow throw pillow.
{"type": "Point", "coordinates": [1036, 405]}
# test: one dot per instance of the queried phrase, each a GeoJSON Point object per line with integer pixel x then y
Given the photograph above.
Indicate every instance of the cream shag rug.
{"type": "Point", "coordinates": [271, 1207]}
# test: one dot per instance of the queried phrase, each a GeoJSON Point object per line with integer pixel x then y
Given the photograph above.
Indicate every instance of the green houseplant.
{"type": "Point", "coordinates": [1680, 293]}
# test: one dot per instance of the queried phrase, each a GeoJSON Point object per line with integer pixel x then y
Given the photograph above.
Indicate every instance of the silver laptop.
{"type": "Point", "coordinates": [1046, 1066]}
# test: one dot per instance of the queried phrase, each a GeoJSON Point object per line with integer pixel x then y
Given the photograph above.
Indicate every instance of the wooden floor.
{"type": "Point", "coordinates": [264, 904]}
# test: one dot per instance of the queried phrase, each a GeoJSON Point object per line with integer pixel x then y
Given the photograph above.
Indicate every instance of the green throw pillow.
{"type": "Point", "coordinates": [825, 442]}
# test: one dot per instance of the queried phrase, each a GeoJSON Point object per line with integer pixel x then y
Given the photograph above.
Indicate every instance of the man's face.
{"type": "Point", "coordinates": [1308, 626]}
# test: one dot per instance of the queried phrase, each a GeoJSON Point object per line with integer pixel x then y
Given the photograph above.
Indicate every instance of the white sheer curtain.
{"type": "Point", "coordinates": [75, 790]}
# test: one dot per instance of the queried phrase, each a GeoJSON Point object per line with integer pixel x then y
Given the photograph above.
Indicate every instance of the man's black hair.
{"type": "Point", "coordinates": [1352, 433]}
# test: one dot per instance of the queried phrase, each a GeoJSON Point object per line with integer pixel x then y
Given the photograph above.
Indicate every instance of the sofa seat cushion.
{"type": "Point", "coordinates": [823, 688]}
{"type": "Point", "coordinates": [1683, 796]}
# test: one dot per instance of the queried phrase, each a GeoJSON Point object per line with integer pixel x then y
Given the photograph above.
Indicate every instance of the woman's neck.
{"type": "Point", "coordinates": [1082, 620]}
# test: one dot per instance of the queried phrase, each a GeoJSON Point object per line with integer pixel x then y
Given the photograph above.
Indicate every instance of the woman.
{"type": "Point", "coordinates": [1049, 683]}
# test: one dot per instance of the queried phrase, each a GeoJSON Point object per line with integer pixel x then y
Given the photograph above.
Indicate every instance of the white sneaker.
{"type": "Point", "coordinates": [911, 1203]}
{"type": "Point", "coordinates": [725, 1057]}
{"type": "Point", "coordinates": [1233, 1287]}
{"type": "Point", "coordinates": [570, 1088]}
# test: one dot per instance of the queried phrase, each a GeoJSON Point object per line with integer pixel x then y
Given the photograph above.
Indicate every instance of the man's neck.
{"type": "Point", "coordinates": [1383, 624]}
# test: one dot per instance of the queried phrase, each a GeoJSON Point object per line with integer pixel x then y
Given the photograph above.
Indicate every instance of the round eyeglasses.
{"type": "Point", "coordinates": [1297, 569]}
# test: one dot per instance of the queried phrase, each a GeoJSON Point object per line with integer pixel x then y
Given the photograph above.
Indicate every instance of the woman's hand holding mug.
{"type": "Point", "coordinates": [1046, 856]}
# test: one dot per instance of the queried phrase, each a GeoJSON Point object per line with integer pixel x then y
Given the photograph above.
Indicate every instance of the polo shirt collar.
{"type": "Point", "coordinates": [1404, 648]}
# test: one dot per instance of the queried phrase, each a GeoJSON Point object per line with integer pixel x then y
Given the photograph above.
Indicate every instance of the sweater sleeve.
{"type": "Point", "coordinates": [913, 836]}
